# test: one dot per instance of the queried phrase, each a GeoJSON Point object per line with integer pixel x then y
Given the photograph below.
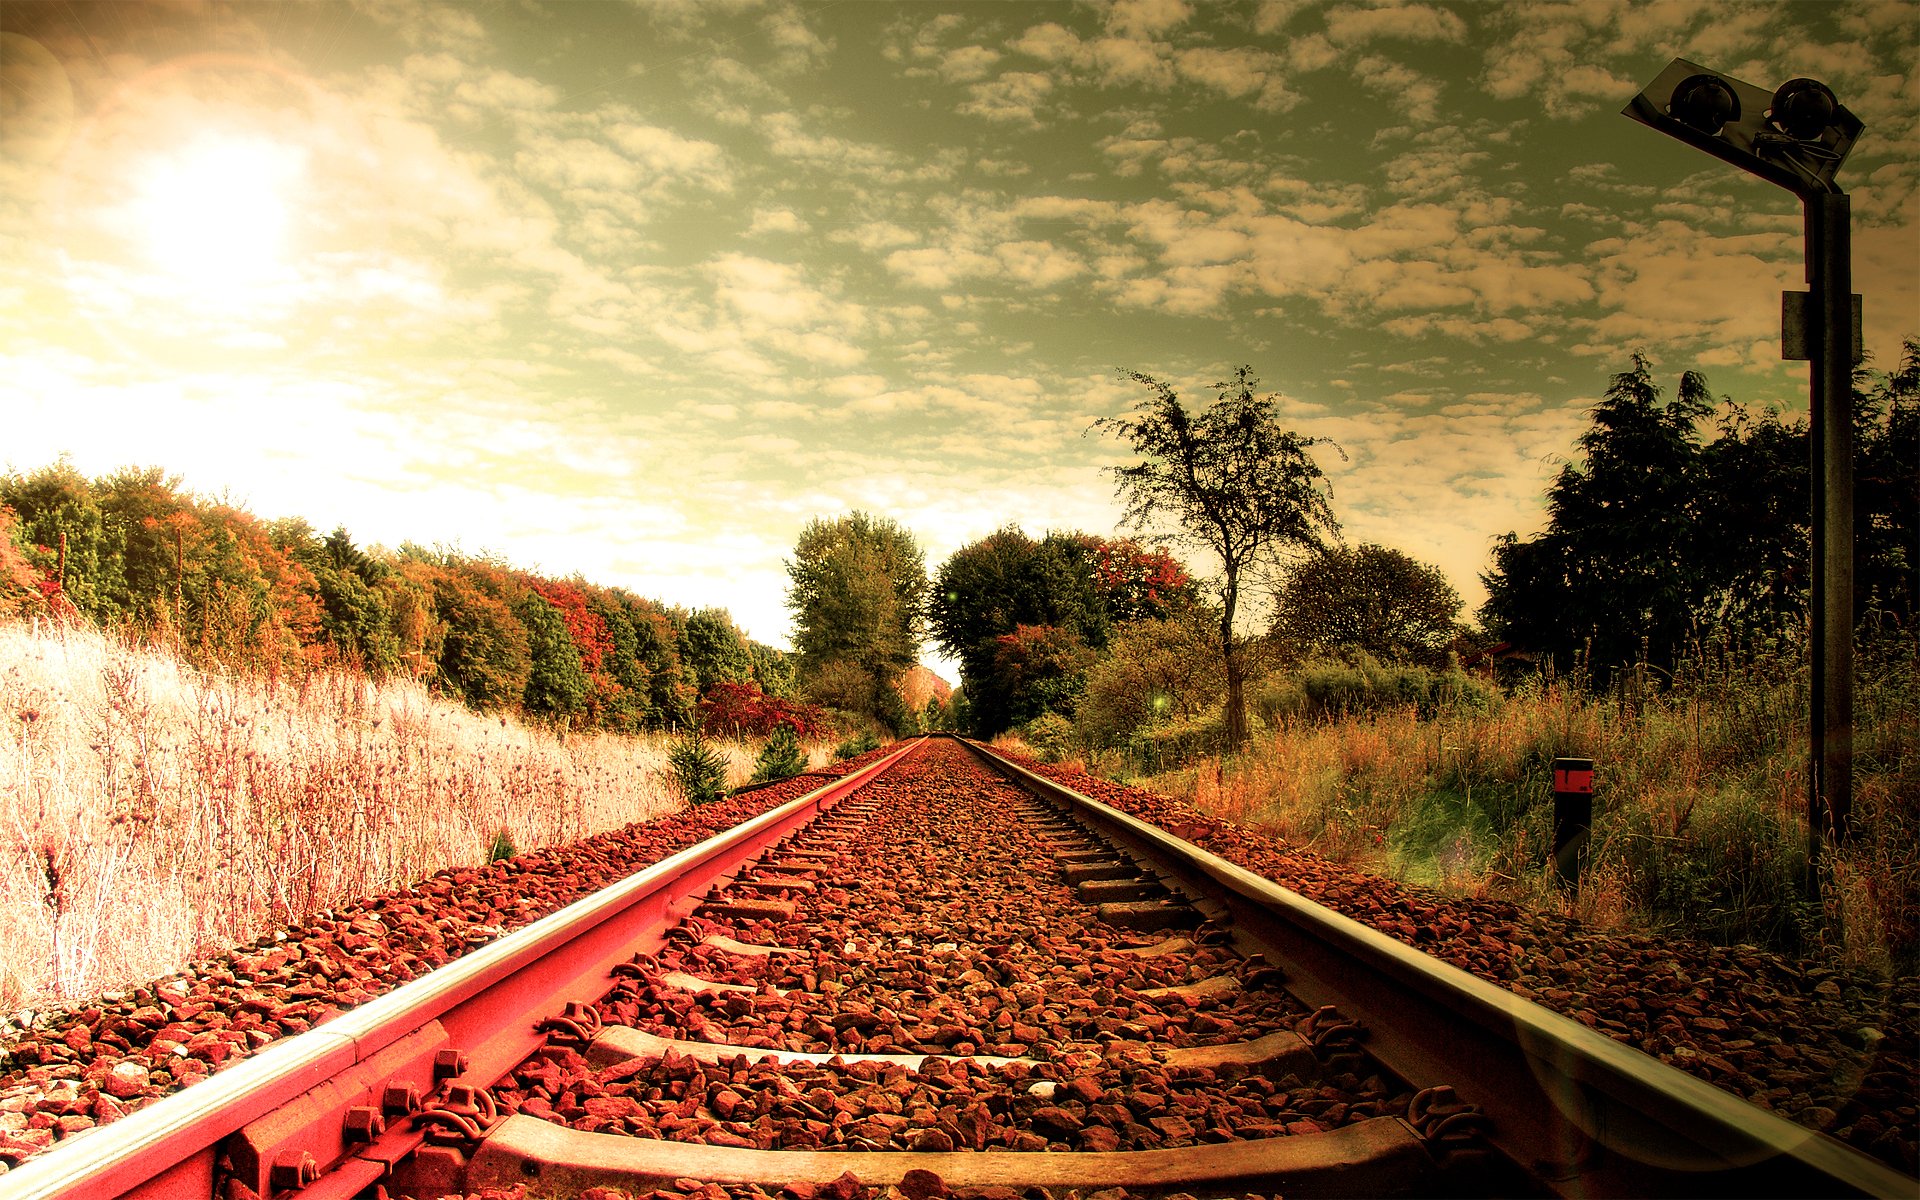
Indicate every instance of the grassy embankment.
{"type": "Point", "coordinates": [151, 812]}
{"type": "Point", "coordinates": [1699, 817]}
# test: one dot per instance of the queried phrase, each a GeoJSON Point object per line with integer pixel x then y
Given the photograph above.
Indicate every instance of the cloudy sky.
{"type": "Point", "coordinates": [635, 289]}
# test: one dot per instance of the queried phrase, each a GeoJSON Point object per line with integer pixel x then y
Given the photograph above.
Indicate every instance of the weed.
{"type": "Point", "coordinates": [152, 812]}
{"type": "Point", "coordinates": [780, 757]}
{"type": "Point", "coordinates": [858, 744]}
{"type": "Point", "coordinates": [699, 770]}
{"type": "Point", "coordinates": [1699, 819]}
{"type": "Point", "coordinates": [501, 847]}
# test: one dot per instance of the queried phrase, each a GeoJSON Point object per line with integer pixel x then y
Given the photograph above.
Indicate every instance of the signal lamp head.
{"type": "Point", "coordinates": [1803, 108]}
{"type": "Point", "coordinates": [1704, 102]}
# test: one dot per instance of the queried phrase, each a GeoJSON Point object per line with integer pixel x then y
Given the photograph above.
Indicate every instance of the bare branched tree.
{"type": "Point", "coordinates": [1232, 481]}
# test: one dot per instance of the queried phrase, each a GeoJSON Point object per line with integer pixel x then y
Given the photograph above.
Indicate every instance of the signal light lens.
{"type": "Point", "coordinates": [1803, 108]}
{"type": "Point", "coordinates": [1704, 102]}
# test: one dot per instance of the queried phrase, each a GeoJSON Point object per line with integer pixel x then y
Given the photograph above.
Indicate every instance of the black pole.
{"type": "Point", "coordinates": [1572, 818]}
{"type": "Point", "coordinates": [1830, 424]}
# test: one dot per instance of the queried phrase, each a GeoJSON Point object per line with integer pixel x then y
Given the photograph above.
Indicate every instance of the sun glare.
{"type": "Point", "coordinates": [213, 216]}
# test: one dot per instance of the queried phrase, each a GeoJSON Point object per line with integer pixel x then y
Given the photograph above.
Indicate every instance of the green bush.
{"type": "Point", "coordinates": [1342, 689]}
{"type": "Point", "coordinates": [859, 743]}
{"type": "Point", "coordinates": [1732, 874]}
{"type": "Point", "coordinates": [1276, 698]}
{"type": "Point", "coordinates": [780, 757]}
{"type": "Point", "coordinates": [501, 846]}
{"type": "Point", "coordinates": [1050, 735]}
{"type": "Point", "coordinates": [1171, 744]}
{"type": "Point", "coordinates": [699, 770]}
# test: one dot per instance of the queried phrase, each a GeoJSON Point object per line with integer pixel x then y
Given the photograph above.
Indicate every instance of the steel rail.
{"type": "Point", "coordinates": [279, 1118]}
{"type": "Point", "coordinates": [1579, 1113]}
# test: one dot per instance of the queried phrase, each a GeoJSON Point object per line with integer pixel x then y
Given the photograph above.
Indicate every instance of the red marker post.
{"type": "Point", "coordinates": [1572, 817]}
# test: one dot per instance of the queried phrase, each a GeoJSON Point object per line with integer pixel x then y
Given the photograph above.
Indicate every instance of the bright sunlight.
{"type": "Point", "coordinates": [213, 215]}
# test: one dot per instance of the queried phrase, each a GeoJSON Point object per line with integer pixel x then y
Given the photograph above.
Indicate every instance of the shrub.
{"type": "Point", "coordinates": [501, 846]}
{"type": "Point", "coordinates": [859, 743]}
{"type": "Point", "coordinates": [1170, 744]}
{"type": "Point", "coordinates": [1050, 735]}
{"type": "Point", "coordinates": [780, 757]}
{"type": "Point", "coordinates": [1153, 671]}
{"type": "Point", "coordinates": [1338, 689]}
{"type": "Point", "coordinates": [742, 708]}
{"type": "Point", "coordinates": [699, 770]}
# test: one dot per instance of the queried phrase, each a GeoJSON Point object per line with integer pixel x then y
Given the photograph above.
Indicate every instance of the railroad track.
{"type": "Point", "coordinates": [944, 973]}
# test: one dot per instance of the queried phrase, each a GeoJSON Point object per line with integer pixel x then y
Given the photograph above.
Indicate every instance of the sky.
{"type": "Point", "coordinates": [635, 290]}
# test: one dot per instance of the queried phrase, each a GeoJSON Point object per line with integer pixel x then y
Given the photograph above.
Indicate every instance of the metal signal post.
{"type": "Point", "coordinates": [1796, 137]}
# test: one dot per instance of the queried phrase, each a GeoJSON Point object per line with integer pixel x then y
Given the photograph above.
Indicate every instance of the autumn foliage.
{"type": "Point", "coordinates": [134, 551]}
{"type": "Point", "coordinates": [733, 709]}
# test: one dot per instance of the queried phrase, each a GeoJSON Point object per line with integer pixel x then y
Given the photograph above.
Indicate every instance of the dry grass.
{"type": "Point", "coordinates": [151, 813]}
{"type": "Point", "coordinates": [1699, 821]}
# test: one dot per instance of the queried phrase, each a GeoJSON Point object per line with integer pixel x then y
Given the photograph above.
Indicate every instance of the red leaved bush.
{"type": "Point", "coordinates": [1138, 582]}
{"type": "Point", "coordinates": [742, 708]}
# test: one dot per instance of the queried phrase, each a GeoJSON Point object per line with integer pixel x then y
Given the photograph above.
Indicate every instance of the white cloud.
{"type": "Point", "coordinates": [1015, 96]}
{"type": "Point", "coordinates": [1355, 26]}
{"type": "Point", "coordinates": [1050, 42]}
{"type": "Point", "coordinates": [1147, 18]}
{"type": "Point", "coordinates": [968, 64]}
{"type": "Point", "coordinates": [1411, 91]}
{"type": "Point", "coordinates": [777, 220]}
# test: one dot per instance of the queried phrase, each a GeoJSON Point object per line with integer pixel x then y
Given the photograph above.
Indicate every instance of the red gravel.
{"type": "Point", "coordinates": [945, 926]}
{"type": "Point", "coordinates": [65, 1071]}
{"type": "Point", "coordinates": [1833, 1049]}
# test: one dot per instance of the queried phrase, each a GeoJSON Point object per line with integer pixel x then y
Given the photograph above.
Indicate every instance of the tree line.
{"type": "Point", "coordinates": [1679, 522]}
{"type": "Point", "coordinates": [1685, 521]}
{"type": "Point", "coordinates": [136, 552]}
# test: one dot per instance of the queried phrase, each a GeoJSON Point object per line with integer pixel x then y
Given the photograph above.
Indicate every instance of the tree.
{"type": "Point", "coordinates": [1887, 493]}
{"type": "Point", "coordinates": [858, 595]}
{"type": "Point", "coordinates": [1369, 599]}
{"type": "Point", "coordinates": [1040, 669]}
{"type": "Point", "coordinates": [715, 650]}
{"type": "Point", "coordinates": [1136, 582]}
{"type": "Point", "coordinates": [556, 680]}
{"type": "Point", "coordinates": [658, 636]}
{"type": "Point", "coordinates": [990, 588]}
{"type": "Point", "coordinates": [1234, 482]}
{"type": "Point", "coordinates": [57, 500]}
{"type": "Point", "coordinates": [25, 590]}
{"type": "Point", "coordinates": [1620, 561]}
{"type": "Point", "coordinates": [1165, 669]}
{"type": "Point", "coordinates": [773, 670]}
{"type": "Point", "coordinates": [483, 657]}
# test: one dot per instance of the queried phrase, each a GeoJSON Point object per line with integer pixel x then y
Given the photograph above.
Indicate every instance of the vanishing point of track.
{"type": "Point", "coordinates": [947, 975]}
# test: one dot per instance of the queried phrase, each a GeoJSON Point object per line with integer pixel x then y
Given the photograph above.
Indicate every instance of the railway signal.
{"type": "Point", "coordinates": [1572, 817]}
{"type": "Point", "coordinates": [1796, 137]}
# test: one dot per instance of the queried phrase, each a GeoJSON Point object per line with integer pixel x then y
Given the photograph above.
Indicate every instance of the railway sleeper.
{"type": "Point", "coordinates": [1112, 868]}
{"type": "Point", "coordinates": [1099, 891]}
{"type": "Point", "coordinates": [1382, 1156]}
{"type": "Point", "coordinates": [748, 910]}
{"type": "Point", "coordinates": [1150, 915]}
{"type": "Point", "coordinates": [1279, 1053]}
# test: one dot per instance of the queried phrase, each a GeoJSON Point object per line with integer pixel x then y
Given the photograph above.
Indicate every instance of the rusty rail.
{"type": "Point", "coordinates": [313, 1111]}
{"type": "Point", "coordinates": [1578, 1113]}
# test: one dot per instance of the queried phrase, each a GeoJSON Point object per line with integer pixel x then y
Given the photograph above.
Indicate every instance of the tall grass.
{"type": "Point", "coordinates": [1699, 818]}
{"type": "Point", "coordinates": [151, 813]}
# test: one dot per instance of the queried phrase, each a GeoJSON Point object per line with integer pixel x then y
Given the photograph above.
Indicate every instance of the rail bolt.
{"type": "Point", "coordinates": [364, 1123]}
{"type": "Point", "coordinates": [293, 1169]}
{"type": "Point", "coordinates": [448, 1063]}
{"type": "Point", "coordinates": [399, 1099]}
